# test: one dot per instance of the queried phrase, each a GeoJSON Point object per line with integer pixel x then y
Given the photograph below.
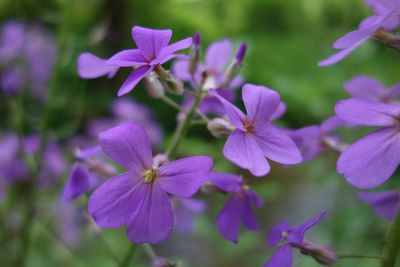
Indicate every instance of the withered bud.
{"type": "Point", "coordinates": [321, 253]}
{"type": "Point", "coordinates": [220, 127]}
{"type": "Point", "coordinates": [159, 160]}
{"type": "Point", "coordinates": [154, 87]}
{"type": "Point", "coordinates": [172, 84]}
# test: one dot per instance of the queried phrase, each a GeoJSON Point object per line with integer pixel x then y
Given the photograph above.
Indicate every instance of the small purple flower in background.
{"type": "Point", "coordinates": [184, 211]}
{"type": "Point", "coordinates": [12, 168]}
{"type": "Point", "coordinates": [153, 50]}
{"type": "Point", "coordinates": [69, 218]}
{"type": "Point", "coordinates": [27, 56]}
{"type": "Point", "coordinates": [239, 206]}
{"type": "Point", "coordinates": [313, 140]}
{"type": "Point", "coordinates": [218, 56]}
{"type": "Point", "coordinates": [126, 109]}
{"type": "Point", "coordinates": [364, 87]}
{"type": "Point", "coordinates": [386, 204]}
{"type": "Point", "coordinates": [371, 160]}
{"type": "Point", "coordinates": [255, 138]}
{"type": "Point", "coordinates": [287, 238]}
{"type": "Point", "coordinates": [386, 17]}
{"type": "Point", "coordinates": [139, 197]}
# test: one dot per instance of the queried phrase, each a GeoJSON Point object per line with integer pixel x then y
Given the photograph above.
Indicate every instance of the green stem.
{"type": "Point", "coordinates": [183, 127]}
{"type": "Point", "coordinates": [392, 244]}
{"type": "Point", "coordinates": [128, 257]}
{"type": "Point", "coordinates": [358, 256]}
{"type": "Point", "coordinates": [172, 103]}
{"type": "Point", "coordinates": [150, 251]}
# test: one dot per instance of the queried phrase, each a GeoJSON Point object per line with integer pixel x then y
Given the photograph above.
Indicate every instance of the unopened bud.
{"type": "Point", "coordinates": [154, 87]}
{"type": "Point", "coordinates": [241, 52]}
{"type": "Point", "coordinates": [161, 262]}
{"type": "Point", "coordinates": [195, 53]}
{"type": "Point", "coordinates": [234, 67]}
{"type": "Point", "coordinates": [321, 253]}
{"type": "Point", "coordinates": [172, 84]}
{"type": "Point", "coordinates": [220, 127]}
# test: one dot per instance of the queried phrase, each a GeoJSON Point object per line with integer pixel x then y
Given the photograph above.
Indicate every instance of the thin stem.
{"type": "Point", "coordinates": [150, 251]}
{"type": "Point", "coordinates": [128, 257]}
{"type": "Point", "coordinates": [183, 127]}
{"type": "Point", "coordinates": [167, 100]}
{"type": "Point", "coordinates": [359, 256]}
{"type": "Point", "coordinates": [392, 244]}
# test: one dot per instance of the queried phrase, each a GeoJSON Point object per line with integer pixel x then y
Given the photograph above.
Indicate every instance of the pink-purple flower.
{"type": "Point", "coordinates": [140, 197]}
{"type": "Point", "coordinates": [255, 138]}
{"type": "Point", "coordinates": [153, 50]}
{"type": "Point", "coordinates": [386, 203]}
{"type": "Point", "coordinates": [371, 160]}
{"type": "Point", "coordinates": [286, 238]}
{"type": "Point", "coordinates": [238, 209]}
{"type": "Point", "coordinates": [386, 16]}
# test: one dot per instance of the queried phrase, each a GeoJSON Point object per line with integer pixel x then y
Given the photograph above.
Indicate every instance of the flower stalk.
{"type": "Point", "coordinates": [392, 244]}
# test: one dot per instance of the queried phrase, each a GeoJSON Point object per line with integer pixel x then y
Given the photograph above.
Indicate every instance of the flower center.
{"type": "Point", "coordinates": [248, 127]}
{"type": "Point", "coordinates": [149, 176]}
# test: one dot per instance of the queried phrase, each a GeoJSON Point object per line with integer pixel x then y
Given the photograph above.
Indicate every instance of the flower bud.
{"type": "Point", "coordinates": [321, 253]}
{"type": "Point", "coordinates": [234, 67]}
{"type": "Point", "coordinates": [161, 262]}
{"type": "Point", "coordinates": [219, 127]}
{"type": "Point", "coordinates": [159, 160]}
{"type": "Point", "coordinates": [195, 53]}
{"type": "Point", "coordinates": [154, 87]}
{"type": "Point", "coordinates": [172, 84]}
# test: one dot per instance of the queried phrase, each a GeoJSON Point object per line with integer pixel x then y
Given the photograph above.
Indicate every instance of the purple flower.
{"type": "Point", "coordinates": [12, 168]}
{"type": "Point", "coordinates": [68, 218]}
{"type": "Point", "coordinates": [184, 209]}
{"type": "Point", "coordinates": [313, 140]}
{"type": "Point", "coordinates": [255, 138]}
{"type": "Point", "coordinates": [139, 198]}
{"type": "Point", "coordinates": [364, 87]}
{"type": "Point", "coordinates": [27, 56]}
{"type": "Point", "coordinates": [239, 206]}
{"type": "Point", "coordinates": [153, 50]}
{"type": "Point", "coordinates": [287, 238]}
{"type": "Point", "coordinates": [386, 204]}
{"type": "Point", "coordinates": [386, 17]}
{"type": "Point", "coordinates": [371, 160]}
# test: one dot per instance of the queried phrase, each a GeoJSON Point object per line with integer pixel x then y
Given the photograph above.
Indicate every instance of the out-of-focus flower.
{"type": "Point", "coordinates": [127, 109]}
{"type": "Point", "coordinates": [184, 211]}
{"type": "Point", "coordinates": [287, 238]}
{"type": "Point", "coordinates": [139, 197]}
{"type": "Point", "coordinates": [153, 50]}
{"type": "Point", "coordinates": [313, 140]}
{"type": "Point", "coordinates": [386, 204]}
{"type": "Point", "coordinates": [69, 220]}
{"type": "Point", "coordinates": [239, 206]}
{"type": "Point", "coordinates": [255, 138]}
{"type": "Point", "coordinates": [364, 87]}
{"type": "Point", "coordinates": [386, 16]}
{"type": "Point", "coordinates": [27, 56]}
{"type": "Point", "coordinates": [12, 168]}
{"type": "Point", "coordinates": [371, 160]}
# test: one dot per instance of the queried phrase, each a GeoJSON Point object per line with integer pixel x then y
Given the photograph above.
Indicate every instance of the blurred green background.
{"type": "Point", "coordinates": [286, 39]}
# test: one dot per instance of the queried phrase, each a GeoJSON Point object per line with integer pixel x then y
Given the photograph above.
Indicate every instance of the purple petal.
{"type": "Point", "coordinates": [180, 68]}
{"type": "Point", "coordinates": [113, 203]}
{"type": "Point", "coordinates": [127, 58]}
{"type": "Point", "coordinates": [225, 181]}
{"type": "Point", "coordinates": [354, 37]}
{"type": "Point", "coordinates": [364, 87]}
{"type": "Point", "coordinates": [133, 79]}
{"type": "Point", "coordinates": [247, 216]}
{"type": "Point", "coordinates": [297, 234]}
{"type": "Point", "coordinates": [184, 177]}
{"type": "Point", "coordinates": [153, 220]}
{"type": "Point", "coordinates": [9, 147]}
{"type": "Point", "coordinates": [169, 50]}
{"type": "Point", "coordinates": [279, 111]}
{"type": "Point", "coordinates": [243, 150]}
{"type": "Point", "coordinates": [283, 257]}
{"type": "Point", "coordinates": [194, 205]}
{"type": "Point", "coordinates": [331, 124]}
{"type": "Point", "coordinates": [228, 219]}
{"type": "Point", "coordinates": [275, 234]}
{"type": "Point", "coordinates": [254, 198]}
{"type": "Point", "coordinates": [150, 41]}
{"type": "Point", "coordinates": [234, 114]}
{"type": "Point", "coordinates": [276, 145]}
{"type": "Point", "coordinates": [261, 102]}
{"type": "Point", "coordinates": [366, 112]}
{"type": "Point", "coordinates": [91, 66]}
{"type": "Point", "coordinates": [371, 160]}
{"type": "Point", "coordinates": [128, 145]}
{"type": "Point", "coordinates": [385, 204]}
{"type": "Point", "coordinates": [77, 183]}
{"type": "Point", "coordinates": [184, 211]}
{"type": "Point", "coordinates": [218, 55]}
{"type": "Point", "coordinates": [341, 54]}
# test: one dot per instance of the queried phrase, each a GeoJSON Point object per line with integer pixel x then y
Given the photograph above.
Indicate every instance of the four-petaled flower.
{"type": "Point", "coordinates": [139, 197]}
{"type": "Point", "coordinates": [153, 50]}
{"type": "Point", "coordinates": [255, 138]}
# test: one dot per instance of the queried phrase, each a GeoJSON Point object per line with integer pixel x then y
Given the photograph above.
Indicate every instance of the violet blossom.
{"type": "Point", "coordinates": [287, 238]}
{"type": "Point", "coordinates": [153, 50]}
{"type": "Point", "coordinates": [139, 198]}
{"type": "Point", "coordinates": [386, 203]}
{"type": "Point", "coordinates": [255, 138]}
{"type": "Point", "coordinates": [239, 206]}
{"type": "Point", "coordinates": [386, 16]}
{"type": "Point", "coordinates": [364, 87]}
{"type": "Point", "coordinates": [371, 160]}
